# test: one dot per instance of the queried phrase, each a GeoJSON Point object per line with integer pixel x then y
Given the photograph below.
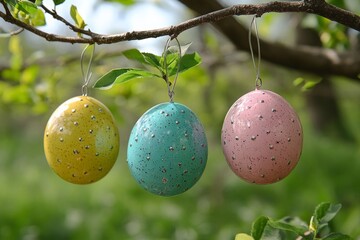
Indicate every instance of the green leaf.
{"type": "Point", "coordinates": [310, 84]}
{"type": "Point", "coordinates": [11, 2]}
{"type": "Point", "coordinates": [298, 81]}
{"type": "Point", "coordinates": [58, 2]}
{"type": "Point", "coordinates": [187, 61]}
{"type": "Point", "coordinates": [134, 73]}
{"type": "Point", "coordinates": [258, 227]}
{"type": "Point", "coordinates": [287, 225]}
{"type": "Point", "coordinates": [117, 76]}
{"type": "Point", "coordinates": [123, 2]}
{"type": "Point", "coordinates": [27, 7]}
{"type": "Point", "coordinates": [153, 60]}
{"type": "Point", "coordinates": [144, 58]}
{"type": "Point", "coordinates": [337, 236]}
{"type": "Point", "coordinates": [271, 233]}
{"type": "Point", "coordinates": [325, 212]}
{"type": "Point", "coordinates": [79, 21]}
{"type": "Point", "coordinates": [29, 13]}
{"type": "Point", "coordinates": [172, 54]}
{"type": "Point", "coordinates": [135, 54]}
{"type": "Point", "coordinates": [183, 48]}
{"type": "Point", "coordinates": [243, 236]}
{"type": "Point", "coordinates": [38, 19]}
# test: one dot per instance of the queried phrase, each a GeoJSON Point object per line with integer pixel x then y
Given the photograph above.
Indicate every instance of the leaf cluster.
{"type": "Point", "coordinates": [173, 61]}
{"type": "Point", "coordinates": [265, 228]}
{"type": "Point", "coordinates": [27, 12]}
{"type": "Point", "coordinates": [32, 12]}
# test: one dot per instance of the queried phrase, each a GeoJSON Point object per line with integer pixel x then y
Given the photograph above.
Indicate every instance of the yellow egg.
{"type": "Point", "coordinates": [81, 140]}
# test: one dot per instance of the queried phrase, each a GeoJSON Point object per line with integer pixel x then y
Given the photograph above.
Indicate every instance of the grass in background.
{"type": "Point", "coordinates": [36, 204]}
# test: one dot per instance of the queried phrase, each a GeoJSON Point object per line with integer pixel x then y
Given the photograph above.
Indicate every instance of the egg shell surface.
{"type": "Point", "coordinates": [81, 140]}
{"type": "Point", "coordinates": [167, 149]}
{"type": "Point", "coordinates": [262, 137]}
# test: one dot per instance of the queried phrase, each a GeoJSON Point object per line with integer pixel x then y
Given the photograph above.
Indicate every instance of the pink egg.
{"type": "Point", "coordinates": [262, 137]}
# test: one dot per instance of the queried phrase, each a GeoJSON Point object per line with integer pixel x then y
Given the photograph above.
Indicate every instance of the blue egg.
{"type": "Point", "coordinates": [167, 149]}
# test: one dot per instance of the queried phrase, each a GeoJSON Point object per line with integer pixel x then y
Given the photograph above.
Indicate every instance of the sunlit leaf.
{"type": "Point", "coordinates": [75, 15]}
{"type": "Point", "coordinates": [153, 60]}
{"type": "Point", "coordinates": [134, 73]}
{"type": "Point", "coordinates": [38, 2]}
{"type": "Point", "coordinates": [310, 84]}
{"type": "Point", "coordinates": [38, 19]}
{"type": "Point", "coordinates": [117, 76]}
{"type": "Point", "coordinates": [298, 81]}
{"type": "Point", "coordinates": [172, 55]}
{"type": "Point", "coordinates": [170, 58]}
{"type": "Point", "coordinates": [107, 80]}
{"type": "Point", "coordinates": [243, 236]}
{"type": "Point", "coordinates": [144, 58]}
{"type": "Point", "coordinates": [28, 7]}
{"type": "Point", "coordinates": [123, 2]}
{"type": "Point", "coordinates": [29, 13]}
{"type": "Point", "coordinates": [183, 49]}
{"type": "Point", "coordinates": [187, 61]}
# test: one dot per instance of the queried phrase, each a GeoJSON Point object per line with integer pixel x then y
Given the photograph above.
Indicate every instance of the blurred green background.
{"type": "Point", "coordinates": [36, 76]}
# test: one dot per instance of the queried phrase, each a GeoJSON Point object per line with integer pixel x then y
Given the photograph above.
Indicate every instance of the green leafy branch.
{"type": "Point", "coordinates": [158, 67]}
{"type": "Point", "coordinates": [294, 228]}
{"type": "Point", "coordinates": [27, 12]}
{"type": "Point", "coordinates": [318, 7]}
{"type": "Point", "coordinates": [32, 13]}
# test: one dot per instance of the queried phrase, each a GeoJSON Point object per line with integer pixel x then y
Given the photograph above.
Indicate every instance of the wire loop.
{"type": "Point", "coordinates": [171, 86]}
{"type": "Point", "coordinates": [86, 75]}
{"type": "Point", "coordinates": [258, 81]}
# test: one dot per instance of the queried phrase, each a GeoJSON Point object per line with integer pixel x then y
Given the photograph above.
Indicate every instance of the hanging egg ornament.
{"type": "Point", "coordinates": [81, 140]}
{"type": "Point", "coordinates": [262, 137]}
{"type": "Point", "coordinates": [167, 149]}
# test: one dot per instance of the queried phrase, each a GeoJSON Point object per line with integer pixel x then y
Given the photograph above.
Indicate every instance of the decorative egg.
{"type": "Point", "coordinates": [81, 140]}
{"type": "Point", "coordinates": [262, 137]}
{"type": "Point", "coordinates": [167, 149]}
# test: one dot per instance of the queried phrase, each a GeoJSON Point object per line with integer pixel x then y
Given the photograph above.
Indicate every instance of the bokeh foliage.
{"type": "Point", "coordinates": [36, 204]}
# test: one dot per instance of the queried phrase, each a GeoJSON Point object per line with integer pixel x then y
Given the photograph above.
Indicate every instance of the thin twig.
{"type": "Point", "coordinates": [74, 28]}
{"type": "Point", "coordinates": [12, 33]}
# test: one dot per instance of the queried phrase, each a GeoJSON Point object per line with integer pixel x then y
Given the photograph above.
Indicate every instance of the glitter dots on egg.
{"type": "Point", "coordinates": [270, 137]}
{"type": "Point", "coordinates": [77, 140]}
{"type": "Point", "coordinates": [170, 156]}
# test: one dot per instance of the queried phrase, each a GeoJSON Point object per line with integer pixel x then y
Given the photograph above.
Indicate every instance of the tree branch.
{"type": "Point", "coordinates": [314, 60]}
{"type": "Point", "coordinates": [304, 58]}
{"type": "Point", "coordinates": [56, 16]}
{"type": "Point", "coordinates": [319, 7]}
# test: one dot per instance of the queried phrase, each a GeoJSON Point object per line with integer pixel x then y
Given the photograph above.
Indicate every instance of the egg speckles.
{"type": "Point", "coordinates": [262, 137]}
{"type": "Point", "coordinates": [81, 140]}
{"type": "Point", "coordinates": [167, 149]}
